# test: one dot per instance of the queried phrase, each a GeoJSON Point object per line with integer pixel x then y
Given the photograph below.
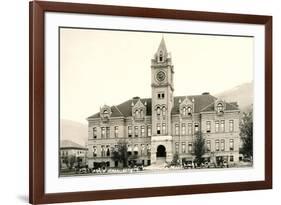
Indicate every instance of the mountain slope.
{"type": "Point", "coordinates": [242, 94]}
{"type": "Point", "coordinates": [74, 131]}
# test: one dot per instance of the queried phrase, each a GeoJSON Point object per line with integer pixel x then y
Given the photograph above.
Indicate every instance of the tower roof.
{"type": "Point", "coordinates": [162, 46]}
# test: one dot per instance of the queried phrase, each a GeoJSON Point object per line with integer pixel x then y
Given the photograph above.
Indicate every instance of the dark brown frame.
{"type": "Point", "coordinates": [37, 95]}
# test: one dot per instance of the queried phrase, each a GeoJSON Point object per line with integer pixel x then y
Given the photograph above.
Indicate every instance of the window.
{"type": "Point", "coordinates": [177, 147]}
{"type": "Point", "coordinates": [183, 128]}
{"type": "Point", "coordinates": [231, 126]}
{"type": "Point", "coordinates": [94, 132]}
{"type": "Point", "coordinates": [208, 145]}
{"type": "Point", "coordinates": [231, 144]}
{"type": "Point", "coordinates": [116, 131]}
{"type": "Point", "coordinates": [159, 95]}
{"type": "Point", "coordinates": [94, 151]}
{"type": "Point", "coordinates": [189, 130]}
{"type": "Point", "coordinates": [231, 158]}
{"type": "Point", "coordinates": [189, 147]}
{"type": "Point", "coordinates": [196, 127]}
{"type": "Point", "coordinates": [189, 110]}
{"type": "Point", "coordinates": [177, 129]}
{"type": "Point", "coordinates": [163, 95]}
{"type": "Point", "coordinates": [184, 111]}
{"type": "Point", "coordinates": [107, 132]}
{"type": "Point", "coordinates": [208, 126]}
{"type": "Point", "coordinates": [164, 111]}
{"type": "Point", "coordinates": [136, 149]}
{"type": "Point", "coordinates": [149, 131]}
{"type": "Point", "coordinates": [158, 129]}
{"type": "Point", "coordinates": [102, 151]}
{"type": "Point", "coordinates": [160, 56]}
{"type": "Point", "coordinates": [220, 107]}
{"type": "Point", "coordinates": [137, 114]}
{"type": "Point", "coordinates": [136, 131]}
{"type": "Point", "coordinates": [142, 149]}
{"type": "Point", "coordinates": [217, 125]}
{"type": "Point", "coordinates": [183, 147]}
{"type": "Point", "coordinates": [222, 126]}
{"type": "Point", "coordinates": [141, 113]}
{"type": "Point", "coordinates": [158, 112]}
{"type": "Point", "coordinates": [129, 131]}
{"type": "Point", "coordinates": [217, 145]}
{"type": "Point", "coordinates": [164, 128]}
{"type": "Point", "coordinates": [103, 132]}
{"type": "Point", "coordinates": [142, 131]}
{"type": "Point", "coordinates": [107, 150]}
{"type": "Point", "coordinates": [222, 145]}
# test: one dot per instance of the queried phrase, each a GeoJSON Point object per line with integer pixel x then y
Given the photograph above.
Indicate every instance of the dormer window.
{"type": "Point", "coordinates": [137, 114]}
{"type": "Point", "coordinates": [184, 111]}
{"type": "Point", "coordinates": [219, 107]}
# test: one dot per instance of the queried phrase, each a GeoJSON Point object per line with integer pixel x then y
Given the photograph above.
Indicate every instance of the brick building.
{"type": "Point", "coordinates": [158, 127]}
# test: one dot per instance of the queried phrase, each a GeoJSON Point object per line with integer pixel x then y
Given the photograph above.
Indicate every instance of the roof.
{"type": "Point", "coordinates": [202, 103]}
{"type": "Point", "coordinates": [71, 145]}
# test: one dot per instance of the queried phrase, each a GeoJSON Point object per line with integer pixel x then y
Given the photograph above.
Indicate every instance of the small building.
{"type": "Point", "coordinates": [70, 149]}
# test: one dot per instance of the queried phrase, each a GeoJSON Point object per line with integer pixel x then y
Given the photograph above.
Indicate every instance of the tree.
{"type": "Point", "coordinates": [121, 153]}
{"type": "Point", "coordinates": [199, 147]}
{"type": "Point", "coordinates": [175, 160]}
{"type": "Point", "coordinates": [69, 161]}
{"type": "Point", "coordinates": [246, 134]}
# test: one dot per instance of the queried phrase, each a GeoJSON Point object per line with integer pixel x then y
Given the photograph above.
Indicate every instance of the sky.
{"type": "Point", "coordinates": [99, 67]}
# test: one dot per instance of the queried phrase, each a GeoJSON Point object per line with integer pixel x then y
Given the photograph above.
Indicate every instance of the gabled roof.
{"type": "Point", "coordinates": [71, 145]}
{"type": "Point", "coordinates": [202, 103]}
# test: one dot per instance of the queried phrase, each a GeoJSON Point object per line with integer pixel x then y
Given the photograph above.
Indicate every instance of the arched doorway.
{"type": "Point", "coordinates": [161, 151]}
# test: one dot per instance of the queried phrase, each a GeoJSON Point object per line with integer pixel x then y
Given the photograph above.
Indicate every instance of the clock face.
{"type": "Point", "coordinates": [160, 76]}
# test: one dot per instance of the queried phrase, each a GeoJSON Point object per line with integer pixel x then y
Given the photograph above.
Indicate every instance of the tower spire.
{"type": "Point", "coordinates": [162, 46]}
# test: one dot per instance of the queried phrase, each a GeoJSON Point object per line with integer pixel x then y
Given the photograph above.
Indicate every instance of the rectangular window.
{"type": "Point", "coordinates": [231, 158]}
{"type": "Point", "coordinates": [149, 131]}
{"type": "Point", "coordinates": [177, 147]}
{"type": "Point", "coordinates": [183, 147]}
{"type": "Point", "coordinates": [231, 126]}
{"type": "Point", "coordinates": [116, 131]}
{"type": "Point", "coordinates": [102, 151]}
{"type": "Point", "coordinates": [189, 129]}
{"type": "Point", "coordinates": [107, 132]}
{"type": "Point", "coordinates": [103, 132]}
{"type": "Point", "coordinates": [177, 129]}
{"type": "Point", "coordinates": [189, 147]}
{"type": "Point", "coordinates": [217, 145]}
{"type": "Point", "coordinates": [107, 150]}
{"type": "Point", "coordinates": [183, 129]}
{"type": "Point", "coordinates": [164, 128]}
{"type": "Point", "coordinates": [231, 144]}
{"type": "Point", "coordinates": [222, 145]}
{"type": "Point", "coordinates": [158, 129]}
{"type": "Point", "coordinates": [208, 145]}
{"type": "Point", "coordinates": [94, 151]}
{"type": "Point", "coordinates": [208, 129]}
{"type": "Point", "coordinates": [94, 132]}
{"type": "Point", "coordinates": [136, 131]}
{"type": "Point", "coordinates": [196, 127]}
{"type": "Point", "coordinates": [217, 126]}
{"type": "Point", "coordinates": [142, 131]}
{"type": "Point", "coordinates": [129, 131]}
{"type": "Point", "coordinates": [222, 126]}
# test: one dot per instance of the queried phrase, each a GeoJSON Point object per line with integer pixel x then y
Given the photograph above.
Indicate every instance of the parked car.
{"type": "Point", "coordinates": [187, 164]}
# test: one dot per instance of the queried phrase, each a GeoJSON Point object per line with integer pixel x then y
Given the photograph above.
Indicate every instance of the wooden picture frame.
{"type": "Point", "coordinates": [37, 11]}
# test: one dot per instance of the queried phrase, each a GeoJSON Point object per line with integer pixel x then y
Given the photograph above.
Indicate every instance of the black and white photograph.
{"type": "Point", "coordinates": [134, 102]}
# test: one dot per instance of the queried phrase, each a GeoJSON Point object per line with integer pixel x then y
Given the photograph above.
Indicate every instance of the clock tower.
{"type": "Point", "coordinates": [162, 88]}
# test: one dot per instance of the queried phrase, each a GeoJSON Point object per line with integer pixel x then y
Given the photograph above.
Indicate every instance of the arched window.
{"type": "Point", "coordinates": [220, 107]}
{"type": "Point", "coordinates": [158, 110]}
{"type": "Point", "coordinates": [189, 110]}
{"type": "Point", "coordinates": [184, 111]}
{"type": "Point", "coordinates": [137, 114]}
{"type": "Point", "coordinates": [141, 113]}
{"type": "Point", "coordinates": [164, 111]}
{"type": "Point", "coordinates": [105, 112]}
{"type": "Point", "coordinates": [160, 56]}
